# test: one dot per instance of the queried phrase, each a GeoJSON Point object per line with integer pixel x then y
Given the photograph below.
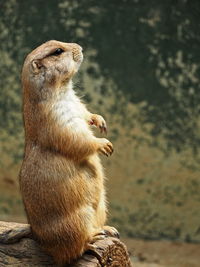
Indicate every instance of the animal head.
{"type": "Point", "coordinates": [51, 65]}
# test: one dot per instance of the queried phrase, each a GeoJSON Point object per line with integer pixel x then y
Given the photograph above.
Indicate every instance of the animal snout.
{"type": "Point", "coordinates": [75, 47]}
{"type": "Point", "coordinates": [77, 52]}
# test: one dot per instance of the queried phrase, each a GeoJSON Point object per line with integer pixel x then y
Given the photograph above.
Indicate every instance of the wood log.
{"type": "Point", "coordinates": [17, 248]}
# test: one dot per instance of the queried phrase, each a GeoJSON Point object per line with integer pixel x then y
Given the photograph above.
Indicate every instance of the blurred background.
{"type": "Point", "coordinates": [142, 73]}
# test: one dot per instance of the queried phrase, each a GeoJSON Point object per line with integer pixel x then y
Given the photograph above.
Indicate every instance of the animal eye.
{"type": "Point", "coordinates": [57, 52]}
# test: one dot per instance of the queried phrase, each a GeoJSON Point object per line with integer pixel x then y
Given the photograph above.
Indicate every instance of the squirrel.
{"type": "Point", "coordinates": [61, 177]}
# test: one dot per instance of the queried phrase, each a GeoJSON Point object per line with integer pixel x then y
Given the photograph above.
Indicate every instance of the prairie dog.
{"type": "Point", "coordinates": [61, 178]}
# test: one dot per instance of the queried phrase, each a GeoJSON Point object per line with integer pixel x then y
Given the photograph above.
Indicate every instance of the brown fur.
{"type": "Point", "coordinates": [61, 177]}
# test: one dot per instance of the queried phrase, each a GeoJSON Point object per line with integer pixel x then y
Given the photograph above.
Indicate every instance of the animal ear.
{"type": "Point", "coordinates": [36, 65]}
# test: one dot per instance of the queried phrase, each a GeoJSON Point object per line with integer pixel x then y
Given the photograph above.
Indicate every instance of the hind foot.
{"type": "Point", "coordinates": [111, 231]}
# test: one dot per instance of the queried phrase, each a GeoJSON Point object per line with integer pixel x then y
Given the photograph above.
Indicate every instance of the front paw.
{"type": "Point", "coordinates": [99, 122]}
{"type": "Point", "coordinates": [106, 147]}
